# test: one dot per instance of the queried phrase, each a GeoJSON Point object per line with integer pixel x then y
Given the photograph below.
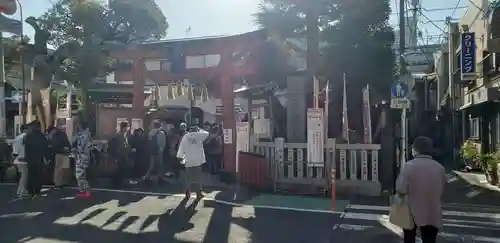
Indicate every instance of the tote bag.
{"type": "Point", "coordinates": [400, 214]}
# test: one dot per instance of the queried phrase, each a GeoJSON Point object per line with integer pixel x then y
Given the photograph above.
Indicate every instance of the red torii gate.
{"type": "Point", "coordinates": [239, 47]}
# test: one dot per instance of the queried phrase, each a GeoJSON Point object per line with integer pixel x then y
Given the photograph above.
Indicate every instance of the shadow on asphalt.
{"type": "Point", "coordinates": [264, 225]}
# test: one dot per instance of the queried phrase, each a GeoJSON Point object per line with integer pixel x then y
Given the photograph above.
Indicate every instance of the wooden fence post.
{"type": "Point", "coordinates": [277, 164]}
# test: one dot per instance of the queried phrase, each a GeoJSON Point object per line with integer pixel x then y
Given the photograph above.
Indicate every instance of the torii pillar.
{"type": "Point", "coordinates": [138, 70]}
{"type": "Point", "coordinates": [227, 99]}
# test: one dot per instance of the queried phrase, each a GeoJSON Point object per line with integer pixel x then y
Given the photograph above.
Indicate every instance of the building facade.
{"type": "Point", "coordinates": [479, 96]}
{"type": "Point", "coordinates": [220, 63]}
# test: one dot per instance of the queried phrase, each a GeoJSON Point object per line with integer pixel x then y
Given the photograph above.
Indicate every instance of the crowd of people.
{"type": "Point", "coordinates": [150, 157]}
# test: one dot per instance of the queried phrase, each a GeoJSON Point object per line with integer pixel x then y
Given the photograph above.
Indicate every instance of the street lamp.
{"type": "Point", "coordinates": [24, 106]}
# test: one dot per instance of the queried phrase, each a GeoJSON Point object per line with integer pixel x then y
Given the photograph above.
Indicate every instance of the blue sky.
{"type": "Point", "coordinates": [221, 17]}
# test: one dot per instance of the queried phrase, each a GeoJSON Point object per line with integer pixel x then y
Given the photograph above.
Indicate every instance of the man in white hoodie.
{"type": "Point", "coordinates": [192, 157]}
{"type": "Point", "coordinates": [22, 167]}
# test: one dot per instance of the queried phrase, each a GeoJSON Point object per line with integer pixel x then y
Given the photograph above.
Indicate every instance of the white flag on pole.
{"type": "Point", "coordinates": [327, 106]}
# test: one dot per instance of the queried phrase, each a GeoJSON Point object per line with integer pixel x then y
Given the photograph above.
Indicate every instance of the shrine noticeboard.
{"type": "Point", "coordinates": [315, 137]}
{"type": "Point", "coordinates": [242, 140]}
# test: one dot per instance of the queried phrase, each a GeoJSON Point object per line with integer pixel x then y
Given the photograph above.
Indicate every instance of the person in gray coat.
{"type": "Point", "coordinates": [422, 181]}
{"type": "Point", "coordinates": [157, 140]}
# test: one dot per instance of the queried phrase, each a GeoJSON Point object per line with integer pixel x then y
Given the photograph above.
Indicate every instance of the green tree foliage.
{"type": "Point", "coordinates": [12, 51]}
{"type": "Point", "coordinates": [86, 31]}
{"type": "Point", "coordinates": [357, 38]}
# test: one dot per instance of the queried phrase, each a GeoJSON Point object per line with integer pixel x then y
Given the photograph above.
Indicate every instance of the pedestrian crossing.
{"type": "Point", "coordinates": [472, 224]}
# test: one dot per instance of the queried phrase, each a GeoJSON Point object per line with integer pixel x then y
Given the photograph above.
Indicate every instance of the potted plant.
{"type": "Point", "coordinates": [470, 155]}
{"type": "Point", "coordinates": [489, 165]}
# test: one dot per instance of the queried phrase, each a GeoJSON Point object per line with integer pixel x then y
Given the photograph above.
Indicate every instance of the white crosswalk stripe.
{"type": "Point", "coordinates": [479, 225]}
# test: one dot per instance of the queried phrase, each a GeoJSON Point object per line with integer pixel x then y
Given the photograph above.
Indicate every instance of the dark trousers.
{"type": "Point", "coordinates": [141, 163]}
{"type": "Point", "coordinates": [213, 163]}
{"type": "Point", "coordinates": [121, 172]}
{"type": "Point", "coordinates": [428, 234]}
{"type": "Point", "coordinates": [35, 178]}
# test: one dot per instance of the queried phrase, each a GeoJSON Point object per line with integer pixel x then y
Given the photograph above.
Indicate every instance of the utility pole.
{"type": "Point", "coordinates": [412, 24]}
{"type": "Point", "coordinates": [402, 75]}
{"type": "Point", "coordinates": [313, 47]}
{"type": "Point", "coordinates": [452, 33]}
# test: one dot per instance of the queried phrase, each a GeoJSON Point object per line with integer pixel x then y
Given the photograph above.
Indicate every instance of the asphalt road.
{"type": "Point", "coordinates": [471, 216]}
{"type": "Point", "coordinates": [127, 217]}
{"type": "Point", "coordinates": [368, 223]}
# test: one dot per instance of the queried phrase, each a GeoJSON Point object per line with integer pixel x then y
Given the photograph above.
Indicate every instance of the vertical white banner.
{"type": "Point", "coordinates": [327, 107]}
{"type": "Point", "coordinates": [316, 92]}
{"type": "Point", "coordinates": [70, 127]}
{"type": "Point", "coordinates": [69, 93]}
{"type": "Point", "coordinates": [242, 140]}
{"type": "Point", "coordinates": [345, 119]}
{"type": "Point", "coordinates": [29, 109]}
{"type": "Point", "coordinates": [367, 123]}
{"type": "Point", "coordinates": [315, 137]}
{"type": "Point", "coordinates": [18, 121]}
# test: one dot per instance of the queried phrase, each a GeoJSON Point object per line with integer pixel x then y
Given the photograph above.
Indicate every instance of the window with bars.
{"type": "Point", "coordinates": [474, 128]}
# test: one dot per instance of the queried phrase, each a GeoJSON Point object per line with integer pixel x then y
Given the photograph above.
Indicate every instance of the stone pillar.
{"type": "Point", "coordinates": [138, 72]}
{"type": "Point", "coordinates": [296, 109]}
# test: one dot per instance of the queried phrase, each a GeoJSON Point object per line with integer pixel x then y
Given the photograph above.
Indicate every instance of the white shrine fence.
{"type": "Point", "coordinates": [355, 165]}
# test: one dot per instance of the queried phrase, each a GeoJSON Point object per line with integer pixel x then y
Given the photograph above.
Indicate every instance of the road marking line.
{"type": "Point", "coordinates": [448, 223]}
{"type": "Point", "coordinates": [20, 215]}
{"type": "Point", "coordinates": [445, 213]}
{"type": "Point", "coordinates": [399, 232]}
{"type": "Point", "coordinates": [354, 227]}
{"type": "Point", "coordinates": [229, 203]}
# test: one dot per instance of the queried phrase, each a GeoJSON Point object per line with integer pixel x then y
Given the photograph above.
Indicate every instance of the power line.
{"type": "Point", "coordinates": [427, 18]}
{"type": "Point", "coordinates": [438, 21]}
{"type": "Point", "coordinates": [477, 6]}
{"type": "Point", "coordinates": [456, 7]}
{"type": "Point", "coordinates": [434, 9]}
{"type": "Point", "coordinates": [443, 9]}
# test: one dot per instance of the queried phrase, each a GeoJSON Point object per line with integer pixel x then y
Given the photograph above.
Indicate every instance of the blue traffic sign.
{"type": "Point", "coordinates": [15, 97]}
{"type": "Point", "coordinates": [399, 90]}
